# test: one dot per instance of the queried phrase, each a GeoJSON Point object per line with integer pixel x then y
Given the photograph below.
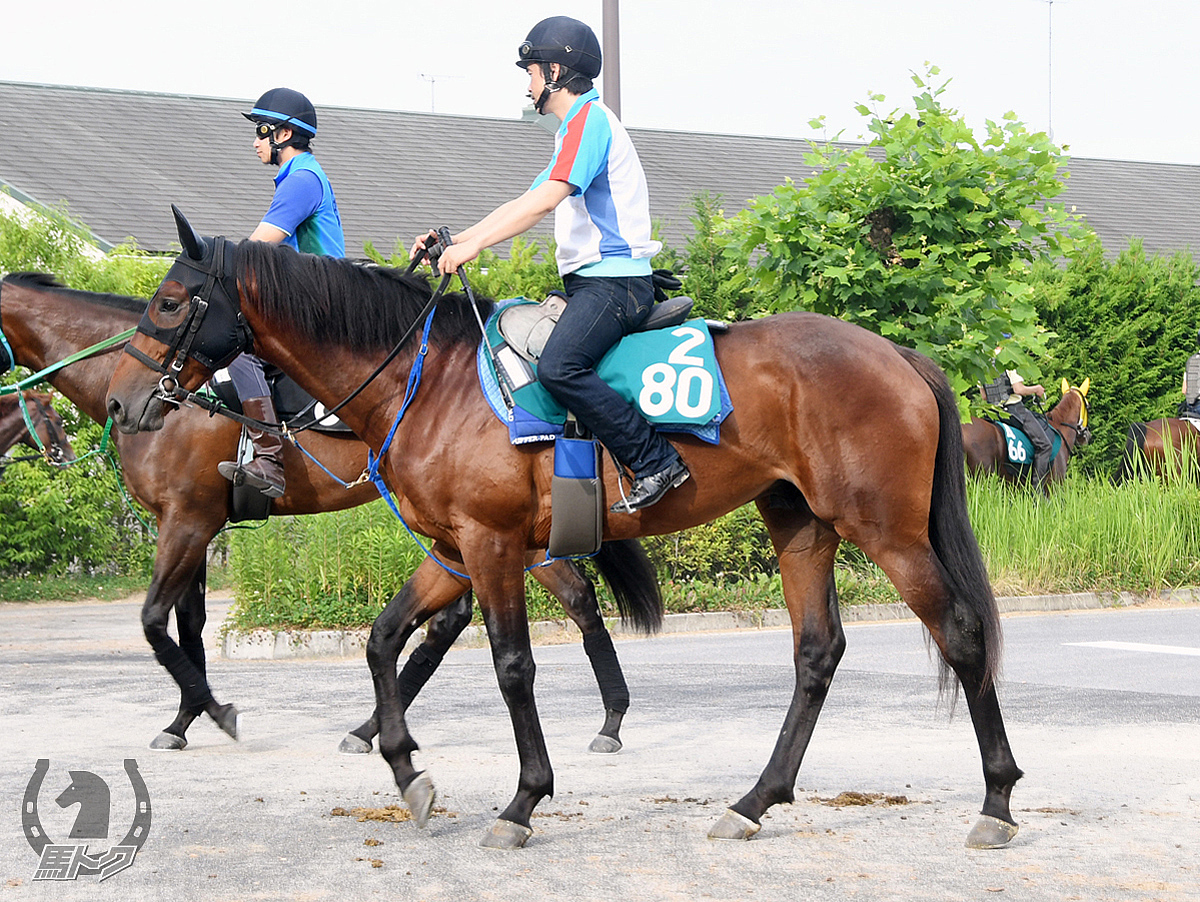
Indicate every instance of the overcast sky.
{"type": "Point", "coordinates": [1118, 80]}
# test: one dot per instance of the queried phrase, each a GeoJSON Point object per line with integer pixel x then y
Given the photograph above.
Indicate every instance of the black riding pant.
{"type": "Point", "coordinates": [600, 311]}
{"type": "Point", "coordinates": [1032, 427]}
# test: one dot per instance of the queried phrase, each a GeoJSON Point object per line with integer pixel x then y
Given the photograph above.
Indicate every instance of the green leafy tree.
{"type": "Point", "coordinates": [711, 265]}
{"type": "Point", "coordinates": [925, 235]}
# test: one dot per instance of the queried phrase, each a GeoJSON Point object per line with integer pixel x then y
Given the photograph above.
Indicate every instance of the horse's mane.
{"type": "Point", "coordinates": [40, 281]}
{"type": "Point", "coordinates": [359, 306]}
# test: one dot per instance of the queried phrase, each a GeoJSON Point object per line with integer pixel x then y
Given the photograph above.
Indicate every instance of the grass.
{"type": "Point", "coordinates": [337, 571]}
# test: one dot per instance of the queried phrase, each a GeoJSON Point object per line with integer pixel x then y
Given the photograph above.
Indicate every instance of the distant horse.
{"type": "Point", "coordinates": [836, 433]}
{"type": "Point", "coordinates": [51, 442]}
{"type": "Point", "coordinates": [174, 475]}
{"type": "Point", "coordinates": [986, 447]}
{"type": "Point", "coordinates": [1162, 448]}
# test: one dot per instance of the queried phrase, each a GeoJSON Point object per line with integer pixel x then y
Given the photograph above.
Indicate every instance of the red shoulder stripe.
{"type": "Point", "coordinates": [565, 161]}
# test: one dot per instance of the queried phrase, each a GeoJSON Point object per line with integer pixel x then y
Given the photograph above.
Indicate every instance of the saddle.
{"type": "Point", "coordinates": [526, 327]}
{"type": "Point", "coordinates": [290, 401]}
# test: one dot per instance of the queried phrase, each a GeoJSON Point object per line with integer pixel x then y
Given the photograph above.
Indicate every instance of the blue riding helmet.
{"type": "Point", "coordinates": [283, 106]}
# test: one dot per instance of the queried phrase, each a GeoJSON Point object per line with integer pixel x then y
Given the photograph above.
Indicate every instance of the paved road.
{"type": "Point", "coordinates": [1103, 712]}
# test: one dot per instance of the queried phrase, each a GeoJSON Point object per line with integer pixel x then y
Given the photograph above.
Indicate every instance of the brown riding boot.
{"type": "Point", "coordinates": [265, 471]}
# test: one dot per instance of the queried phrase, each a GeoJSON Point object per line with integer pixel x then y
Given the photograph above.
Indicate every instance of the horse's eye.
{"type": "Point", "coordinates": [168, 305]}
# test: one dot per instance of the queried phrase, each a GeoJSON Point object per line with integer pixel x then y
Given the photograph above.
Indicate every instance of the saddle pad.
{"type": "Point", "coordinates": [670, 375]}
{"type": "Point", "coordinates": [1019, 447]}
{"type": "Point", "coordinates": [289, 398]}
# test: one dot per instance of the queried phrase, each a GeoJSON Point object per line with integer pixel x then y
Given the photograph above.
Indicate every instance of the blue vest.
{"type": "Point", "coordinates": [321, 231]}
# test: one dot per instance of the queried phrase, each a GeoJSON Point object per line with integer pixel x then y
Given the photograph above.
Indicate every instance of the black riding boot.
{"type": "Point", "coordinates": [265, 471]}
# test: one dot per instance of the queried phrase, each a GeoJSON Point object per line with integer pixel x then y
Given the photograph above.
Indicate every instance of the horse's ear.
{"type": "Point", "coordinates": [1086, 384]}
{"type": "Point", "coordinates": [191, 241]}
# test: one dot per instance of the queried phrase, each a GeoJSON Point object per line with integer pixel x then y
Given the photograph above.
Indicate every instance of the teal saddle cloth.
{"type": "Point", "coordinates": [1019, 447]}
{"type": "Point", "coordinates": [670, 375]}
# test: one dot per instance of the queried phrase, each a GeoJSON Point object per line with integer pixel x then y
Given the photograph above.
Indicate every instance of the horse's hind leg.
{"type": "Point", "coordinates": [440, 633]}
{"type": "Point", "coordinates": [966, 632]}
{"type": "Point", "coordinates": [806, 548]}
{"type": "Point", "coordinates": [577, 595]}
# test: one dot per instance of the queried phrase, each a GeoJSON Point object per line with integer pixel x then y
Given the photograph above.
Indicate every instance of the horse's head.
{"type": "Point", "coordinates": [1072, 412]}
{"type": "Point", "coordinates": [192, 327]}
{"type": "Point", "coordinates": [49, 434]}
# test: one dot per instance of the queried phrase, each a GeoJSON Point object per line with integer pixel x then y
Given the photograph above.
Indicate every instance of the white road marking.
{"type": "Point", "coordinates": [1139, 646]}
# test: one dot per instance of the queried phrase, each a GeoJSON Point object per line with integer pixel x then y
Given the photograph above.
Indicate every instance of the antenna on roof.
{"type": "Point", "coordinates": [1050, 65]}
{"type": "Point", "coordinates": [433, 80]}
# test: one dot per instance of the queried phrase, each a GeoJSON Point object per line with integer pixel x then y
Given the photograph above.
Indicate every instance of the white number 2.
{"type": "Point", "coordinates": [663, 388]}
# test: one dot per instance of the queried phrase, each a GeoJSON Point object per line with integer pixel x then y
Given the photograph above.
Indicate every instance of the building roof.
{"type": "Point", "coordinates": [117, 160]}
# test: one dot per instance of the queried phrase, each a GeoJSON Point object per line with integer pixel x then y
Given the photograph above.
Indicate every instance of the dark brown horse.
{"type": "Point", "coordinates": [836, 433]}
{"type": "Point", "coordinates": [986, 449]}
{"type": "Point", "coordinates": [1163, 448]}
{"type": "Point", "coordinates": [49, 437]}
{"type": "Point", "coordinates": [173, 474]}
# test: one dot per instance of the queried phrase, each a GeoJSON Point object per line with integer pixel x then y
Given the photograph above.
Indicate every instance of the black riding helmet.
{"type": "Point", "coordinates": [562, 40]}
{"type": "Point", "coordinates": [283, 106]}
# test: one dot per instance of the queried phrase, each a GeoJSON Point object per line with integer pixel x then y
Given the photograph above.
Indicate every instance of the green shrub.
{"type": "Point", "coordinates": [1129, 323]}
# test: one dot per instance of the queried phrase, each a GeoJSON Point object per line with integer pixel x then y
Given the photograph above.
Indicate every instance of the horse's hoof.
{"type": "Point", "coordinates": [506, 835]}
{"type": "Point", "coordinates": [605, 745]}
{"type": "Point", "coordinates": [227, 717]}
{"type": "Point", "coordinates": [419, 796]}
{"type": "Point", "coordinates": [354, 745]}
{"type": "Point", "coordinates": [990, 833]}
{"type": "Point", "coordinates": [733, 826]}
{"type": "Point", "coordinates": [168, 742]}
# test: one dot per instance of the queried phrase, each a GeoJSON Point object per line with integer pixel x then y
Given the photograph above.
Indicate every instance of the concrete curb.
{"type": "Point", "coordinates": [289, 644]}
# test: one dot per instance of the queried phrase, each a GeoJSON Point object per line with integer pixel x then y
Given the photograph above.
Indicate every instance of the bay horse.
{"type": "Point", "coordinates": [49, 437]}
{"type": "Point", "coordinates": [986, 449]}
{"type": "Point", "coordinates": [173, 474]}
{"type": "Point", "coordinates": [1163, 448]}
{"type": "Point", "coordinates": [836, 433]}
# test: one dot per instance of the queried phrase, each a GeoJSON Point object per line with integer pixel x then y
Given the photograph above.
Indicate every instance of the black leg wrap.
{"type": "Point", "coordinates": [416, 673]}
{"type": "Point", "coordinates": [194, 650]}
{"type": "Point", "coordinates": [613, 690]}
{"type": "Point", "coordinates": [192, 684]}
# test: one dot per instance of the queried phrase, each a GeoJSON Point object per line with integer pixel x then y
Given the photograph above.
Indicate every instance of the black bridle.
{"type": "Point", "coordinates": [181, 340]}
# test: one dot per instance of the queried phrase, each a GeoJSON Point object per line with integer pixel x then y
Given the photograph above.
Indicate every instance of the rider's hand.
{"type": "Point", "coordinates": [455, 256]}
{"type": "Point", "coordinates": [421, 243]}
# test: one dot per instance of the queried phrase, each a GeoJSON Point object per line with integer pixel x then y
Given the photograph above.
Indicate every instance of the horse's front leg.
{"type": "Point", "coordinates": [178, 583]}
{"type": "Point", "coordinates": [429, 589]}
{"type": "Point", "coordinates": [500, 590]}
{"type": "Point", "coordinates": [441, 631]}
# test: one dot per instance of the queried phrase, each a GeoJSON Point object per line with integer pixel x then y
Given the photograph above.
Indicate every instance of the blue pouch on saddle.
{"type": "Point", "coordinates": [669, 375]}
{"type": "Point", "coordinates": [1019, 448]}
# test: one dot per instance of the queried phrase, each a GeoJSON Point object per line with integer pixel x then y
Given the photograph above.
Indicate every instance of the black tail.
{"type": "Point", "coordinates": [626, 569]}
{"type": "Point", "coordinates": [950, 530]}
{"type": "Point", "coordinates": [1133, 463]}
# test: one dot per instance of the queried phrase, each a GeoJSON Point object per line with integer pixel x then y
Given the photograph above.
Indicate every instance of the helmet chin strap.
{"type": "Point", "coordinates": [549, 87]}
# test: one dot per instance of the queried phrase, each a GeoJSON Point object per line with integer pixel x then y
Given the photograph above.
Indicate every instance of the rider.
{"type": "Point", "coordinates": [1191, 388]}
{"type": "Point", "coordinates": [597, 189]}
{"type": "Point", "coordinates": [1014, 407]}
{"type": "Point", "coordinates": [303, 215]}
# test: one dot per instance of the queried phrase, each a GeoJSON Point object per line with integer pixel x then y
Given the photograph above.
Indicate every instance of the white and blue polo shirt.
{"type": "Point", "coordinates": [603, 227]}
